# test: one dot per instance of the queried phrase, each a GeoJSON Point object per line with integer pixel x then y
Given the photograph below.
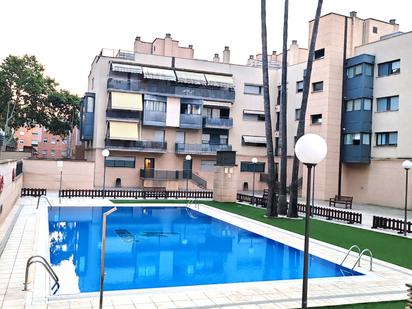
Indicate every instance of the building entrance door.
{"type": "Point", "coordinates": [149, 166]}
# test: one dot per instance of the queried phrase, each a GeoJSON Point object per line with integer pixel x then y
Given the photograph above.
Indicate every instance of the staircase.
{"type": "Point", "coordinates": [199, 181]}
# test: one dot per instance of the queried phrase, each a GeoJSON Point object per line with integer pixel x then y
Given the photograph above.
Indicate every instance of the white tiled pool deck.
{"type": "Point", "coordinates": [386, 282]}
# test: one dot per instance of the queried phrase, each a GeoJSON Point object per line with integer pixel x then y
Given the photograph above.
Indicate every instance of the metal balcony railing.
{"type": "Point", "coordinates": [149, 146]}
{"type": "Point", "coordinates": [219, 123]}
{"type": "Point", "coordinates": [202, 148]}
{"type": "Point", "coordinates": [123, 114]}
{"type": "Point", "coordinates": [189, 121]}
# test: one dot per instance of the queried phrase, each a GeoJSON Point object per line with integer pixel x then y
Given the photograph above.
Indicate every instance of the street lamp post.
{"type": "Point", "coordinates": [406, 165]}
{"type": "Point", "coordinates": [188, 159]}
{"type": "Point", "coordinates": [102, 274]}
{"type": "Point", "coordinates": [254, 161]}
{"type": "Point", "coordinates": [105, 154]}
{"type": "Point", "coordinates": [60, 166]}
{"type": "Point", "coordinates": [310, 149]}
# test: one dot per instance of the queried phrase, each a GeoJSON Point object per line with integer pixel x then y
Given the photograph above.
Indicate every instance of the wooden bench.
{"type": "Point", "coordinates": [342, 199]}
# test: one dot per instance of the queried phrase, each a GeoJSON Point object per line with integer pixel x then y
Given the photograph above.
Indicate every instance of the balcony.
{"type": "Point", "coordinates": [154, 118]}
{"type": "Point", "coordinates": [123, 114]}
{"type": "Point", "coordinates": [151, 173]}
{"type": "Point", "coordinates": [201, 149]}
{"type": "Point", "coordinates": [167, 88]}
{"type": "Point", "coordinates": [141, 146]}
{"type": "Point", "coordinates": [188, 121]}
{"type": "Point", "coordinates": [217, 123]}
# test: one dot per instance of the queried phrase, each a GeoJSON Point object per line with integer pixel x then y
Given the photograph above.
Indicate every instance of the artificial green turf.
{"type": "Point", "coordinates": [381, 305]}
{"type": "Point", "coordinates": [390, 248]}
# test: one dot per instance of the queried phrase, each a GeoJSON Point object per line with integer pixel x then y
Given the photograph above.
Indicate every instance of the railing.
{"type": "Point", "coordinates": [331, 213]}
{"type": "Point", "coordinates": [123, 114]}
{"type": "Point", "coordinates": [190, 121]}
{"type": "Point", "coordinates": [221, 123]}
{"type": "Point", "coordinates": [202, 183]}
{"type": "Point", "coordinates": [154, 118]}
{"type": "Point", "coordinates": [358, 261]}
{"type": "Point", "coordinates": [36, 192]}
{"type": "Point", "coordinates": [137, 145]}
{"type": "Point", "coordinates": [45, 197]}
{"type": "Point", "coordinates": [257, 200]}
{"type": "Point", "coordinates": [391, 224]}
{"type": "Point", "coordinates": [145, 194]}
{"type": "Point", "coordinates": [159, 174]}
{"type": "Point", "coordinates": [201, 148]}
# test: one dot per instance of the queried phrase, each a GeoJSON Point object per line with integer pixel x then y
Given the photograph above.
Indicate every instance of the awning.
{"type": "Point", "coordinates": [217, 104]}
{"type": "Point", "coordinates": [123, 130]}
{"type": "Point", "coordinates": [120, 67]}
{"type": "Point", "coordinates": [220, 80]}
{"type": "Point", "coordinates": [160, 74]}
{"type": "Point", "coordinates": [191, 78]}
{"type": "Point", "coordinates": [253, 112]}
{"type": "Point", "coordinates": [254, 139]}
{"type": "Point", "coordinates": [129, 101]}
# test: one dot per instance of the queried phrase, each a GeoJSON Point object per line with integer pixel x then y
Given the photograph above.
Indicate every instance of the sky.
{"type": "Point", "coordinates": [66, 35]}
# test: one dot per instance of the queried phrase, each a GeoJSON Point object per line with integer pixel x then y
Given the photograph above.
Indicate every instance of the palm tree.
{"type": "Point", "coordinates": [271, 210]}
{"type": "Point", "coordinates": [293, 203]}
{"type": "Point", "coordinates": [282, 206]}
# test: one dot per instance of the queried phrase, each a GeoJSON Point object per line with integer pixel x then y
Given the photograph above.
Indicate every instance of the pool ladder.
{"type": "Point", "coordinates": [39, 259]}
{"type": "Point", "coordinates": [193, 202]}
{"type": "Point", "coordinates": [38, 201]}
{"type": "Point", "coordinates": [360, 254]}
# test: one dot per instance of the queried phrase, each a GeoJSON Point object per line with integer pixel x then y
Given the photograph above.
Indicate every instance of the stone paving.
{"type": "Point", "coordinates": [386, 282]}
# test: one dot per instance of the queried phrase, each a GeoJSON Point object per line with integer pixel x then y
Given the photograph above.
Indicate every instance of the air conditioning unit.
{"type": "Point", "coordinates": [277, 108]}
{"type": "Point", "coordinates": [276, 133]}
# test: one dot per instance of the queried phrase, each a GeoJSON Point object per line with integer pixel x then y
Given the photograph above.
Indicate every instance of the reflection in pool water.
{"type": "Point", "coordinates": [150, 247]}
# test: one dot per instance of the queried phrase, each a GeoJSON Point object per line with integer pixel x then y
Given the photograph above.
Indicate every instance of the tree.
{"type": "Point", "coordinates": [293, 203]}
{"type": "Point", "coordinates": [282, 206]}
{"type": "Point", "coordinates": [29, 97]}
{"type": "Point", "coordinates": [271, 203]}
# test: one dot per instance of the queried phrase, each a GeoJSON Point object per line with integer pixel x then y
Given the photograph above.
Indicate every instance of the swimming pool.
{"type": "Point", "coordinates": [149, 247]}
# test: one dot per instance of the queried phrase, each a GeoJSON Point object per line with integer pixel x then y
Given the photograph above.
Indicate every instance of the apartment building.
{"type": "Point", "coordinates": [154, 106]}
{"type": "Point", "coordinates": [358, 102]}
{"type": "Point", "coordinates": [44, 144]}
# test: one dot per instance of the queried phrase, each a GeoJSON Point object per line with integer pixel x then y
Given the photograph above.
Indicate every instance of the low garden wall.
{"type": "Point", "coordinates": [11, 181]}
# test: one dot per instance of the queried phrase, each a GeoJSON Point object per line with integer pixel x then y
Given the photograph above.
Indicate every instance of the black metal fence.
{"type": "Point", "coordinates": [33, 192]}
{"type": "Point", "coordinates": [257, 200]}
{"type": "Point", "coordinates": [19, 168]}
{"type": "Point", "coordinates": [333, 214]}
{"type": "Point", "coordinates": [391, 224]}
{"type": "Point", "coordinates": [145, 194]}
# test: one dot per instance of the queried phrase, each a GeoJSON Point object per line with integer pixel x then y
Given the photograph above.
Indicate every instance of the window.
{"type": "Point", "coordinates": [278, 96]}
{"type": "Point", "coordinates": [45, 140]}
{"type": "Point", "coordinates": [299, 86]}
{"type": "Point", "coordinates": [354, 71]}
{"type": "Point", "coordinates": [180, 137]}
{"type": "Point", "coordinates": [318, 86]}
{"type": "Point", "coordinates": [253, 115]}
{"type": "Point", "coordinates": [21, 133]}
{"type": "Point", "coordinates": [297, 114]}
{"type": "Point", "coordinates": [366, 139]}
{"type": "Point", "coordinates": [21, 141]}
{"type": "Point", "coordinates": [34, 143]}
{"type": "Point", "coordinates": [320, 53]}
{"type": "Point", "coordinates": [155, 106]}
{"type": "Point", "coordinates": [34, 133]}
{"type": "Point", "coordinates": [367, 104]}
{"type": "Point", "coordinates": [191, 109]}
{"type": "Point", "coordinates": [387, 139]}
{"type": "Point", "coordinates": [90, 105]}
{"type": "Point", "coordinates": [349, 105]}
{"type": "Point", "coordinates": [253, 89]}
{"type": "Point", "coordinates": [368, 69]}
{"type": "Point", "coordinates": [205, 138]}
{"type": "Point", "coordinates": [246, 166]}
{"type": "Point", "coordinates": [159, 135]}
{"type": "Point", "coordinates": [53, 140]}
{"type": "Point", "coordinates": [223, 139]}
{"type": "Point", "coordinates": [387, 104]}
{"type": "Point", "coordinates": [52, 152]}
{"type": "Point", "coordinates": [389, 68]}
{"type": "Point", "coordinates": [316, 119]}
{"type": "Point", "coordinates": [357, 104]}
{"type": "Point", "coordinates": [120, 162]}
{"type": "Point", "coordinates": [356, 138]}
{"type": "Point", "coordinates": [375, 29]}
{"type": "Point", "coordinates": [207, 165]}
{"type": "Point", "coordinates": [44, 152]}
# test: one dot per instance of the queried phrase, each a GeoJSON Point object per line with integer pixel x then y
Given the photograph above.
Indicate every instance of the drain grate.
{"type": "Point", "coordinates": [126, 236]}
{"type": "Point", "coordinates": [157, 234]}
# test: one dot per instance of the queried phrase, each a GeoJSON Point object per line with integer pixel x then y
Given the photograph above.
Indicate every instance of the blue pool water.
{"type": "Point", "coordinates": [150, 247]}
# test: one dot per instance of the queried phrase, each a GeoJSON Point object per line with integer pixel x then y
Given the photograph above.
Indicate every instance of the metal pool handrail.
{"type": "Point", "coordinates": [48, 268]}
{"type": "Point", "coordinates": [360, 256]}
{"type": "Point", "coordinates": [349, 251]}
{"type": "Point", "coordinates": [38, 201]}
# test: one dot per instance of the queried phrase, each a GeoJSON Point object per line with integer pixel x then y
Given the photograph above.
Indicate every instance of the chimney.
{"type": "Point", "coordinates": [168, 36]}
{"type": "Point", "coordinates": [216, 58]}
{"type": "Point", "coordinates": [226, 55]}
{"type": "Point", "coordinates": [190, 46]}
{"type": "Point", "coordinates": [392, 21]}
{"type": "Point", "coordinates": [274, 52]}
{"type": "Point", "coordinates": [137, 38]}
{"type": "Point", "coordinates": [353, 14]}
{"type": "Point", "coordinates": [251, 57]}
{"type": "Point", "coordinates": [294, 42]}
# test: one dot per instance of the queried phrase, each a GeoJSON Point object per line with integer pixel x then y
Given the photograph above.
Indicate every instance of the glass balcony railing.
{"type": "Point", "coordinates": [123, 114]}
{"type": "Point", "coordinates": [144, 146]}
{"type": "Point", "coordinates": [217, 123]}
{"type": "Point", "coordinates": [189, 121]}
{"type": "Point", "coordinates": [154, 118]}
{"type": "Point", "coordinates": [201, 148]}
